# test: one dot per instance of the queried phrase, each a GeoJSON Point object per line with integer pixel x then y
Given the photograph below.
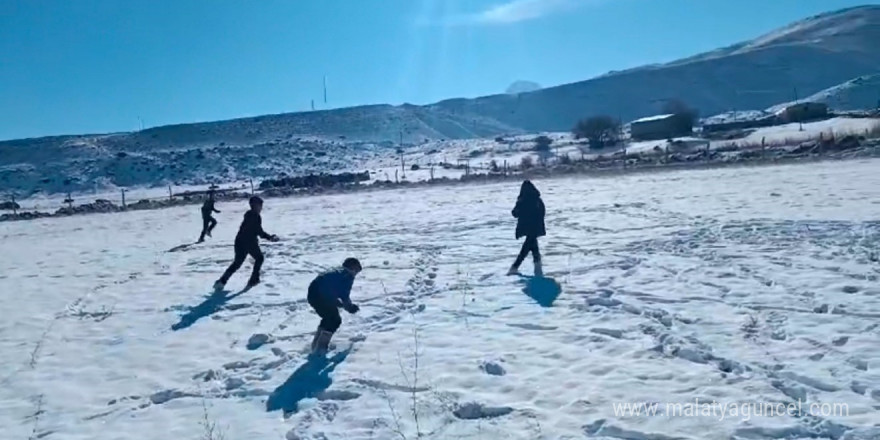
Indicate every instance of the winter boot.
{"type": "Point", "coordinates": [513, 270]}
{"type": "Point", "coordinates": [322, 343]}
{"type": "Point", "coordinates": [539, 269]}
{"type": "Point", "coordinates": [316, 338]}
{"type": "Point", "coordinates": [219, 285]}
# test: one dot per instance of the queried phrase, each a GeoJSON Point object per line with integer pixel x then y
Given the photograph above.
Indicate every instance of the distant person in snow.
{"type": "Point", "coordinates": [529, 213]}
{"type": "Point", "coordinates": [208, 222]}
{"type": "Point", "coordinates": [247, 242]}
{"type": "Point", "coordinates": [327, 293]}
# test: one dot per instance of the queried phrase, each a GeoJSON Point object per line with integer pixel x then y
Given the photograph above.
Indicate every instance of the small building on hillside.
{"type": "Point", "coordinates": [802, 112]}
{"type": "Point", "coordinates": [657, 127]}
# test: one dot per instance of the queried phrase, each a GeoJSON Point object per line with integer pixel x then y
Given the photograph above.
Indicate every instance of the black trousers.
{"type": "Point", "coordinates": [242, 250]}
{"type": "Point", "coordinates": [208, 224]}
{"type": "Point", "coordinates": [530, 245]}
{"type": "Point", "coordinates": [326, 309]}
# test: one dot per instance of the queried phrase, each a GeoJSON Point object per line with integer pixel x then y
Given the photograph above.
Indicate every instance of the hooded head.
{"type": "Point", "coordinates": [528, 190]}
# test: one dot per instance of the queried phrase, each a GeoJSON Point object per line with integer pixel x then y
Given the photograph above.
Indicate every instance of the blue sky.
{"type": "Point", "coordinates": [93, 66]}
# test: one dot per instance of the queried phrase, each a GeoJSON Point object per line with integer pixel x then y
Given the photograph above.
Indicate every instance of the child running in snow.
{"type": "Point", "coordinates": [247, 242]}
{"type": "Point", "coordinates": [529, 213]}
{"type": "Point", "coordinates": [208, 222]}
{"type": "Point", "coordinates": [327, 293]}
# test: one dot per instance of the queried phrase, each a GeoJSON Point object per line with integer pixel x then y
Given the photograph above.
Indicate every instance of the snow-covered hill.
{"type": "Point", "coordinates": [737, 287]}
{"type": "Point", "coordinates": [810, 56]}
{"type": "Point", "coordinates": [856, 94]}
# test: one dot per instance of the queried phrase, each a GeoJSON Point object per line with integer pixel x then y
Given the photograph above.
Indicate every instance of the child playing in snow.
{"type": "Point", "coordinates": [327, 293]}
{"type": "Point", "coordinates": [529, 212]}
{"type": "Point", "coordinates": [247, 242]}
{"type": "Point", "coordinates": [208, 222]}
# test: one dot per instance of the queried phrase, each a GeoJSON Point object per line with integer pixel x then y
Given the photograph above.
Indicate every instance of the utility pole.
{"type": "Point", "coordinates": [123, 198]}
{"type": "Point", "coordinates": [325, 89]}
{"type": "Point", "coordinates": [14, 206]}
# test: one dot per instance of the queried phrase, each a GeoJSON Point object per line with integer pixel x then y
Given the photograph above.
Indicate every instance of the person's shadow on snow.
{"type": "Point", "coordinates": [541, 289]}
{"type": "Point", "coordinates": [209, 306]}
{"type": "Point", "coordinates": [311, 379]}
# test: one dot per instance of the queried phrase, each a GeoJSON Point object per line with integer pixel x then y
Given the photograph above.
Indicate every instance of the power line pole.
{"type": "Point", "coordinates": [325, 89]}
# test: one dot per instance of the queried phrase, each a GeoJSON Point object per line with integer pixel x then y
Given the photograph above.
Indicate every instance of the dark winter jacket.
{"type": "Point", "coordinates": [335, 285]}
{"type": "Point", "coordinates": [208, 208]}
{"type": "Point", "coordinates": [251, 228]}
{"type": "Point", "coordinates": [529, 212]}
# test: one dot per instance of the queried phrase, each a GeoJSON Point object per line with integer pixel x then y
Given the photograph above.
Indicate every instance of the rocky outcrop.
{"type": "Point", "coordinates": [9, 206]}
{"type": "Point", "coordinates": [316, 180]}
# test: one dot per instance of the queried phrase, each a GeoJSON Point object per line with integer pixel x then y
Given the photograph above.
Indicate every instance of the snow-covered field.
{"type": "Point", "coordinates": [735, 286]}
{"type": "Point", "coordinates": [791, 134]}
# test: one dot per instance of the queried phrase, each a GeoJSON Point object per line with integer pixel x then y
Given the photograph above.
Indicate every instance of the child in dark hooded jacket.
{"type": "Point", "coordinates": [329, 292]}
{"type": "Point", "coordinates": [529, 212]}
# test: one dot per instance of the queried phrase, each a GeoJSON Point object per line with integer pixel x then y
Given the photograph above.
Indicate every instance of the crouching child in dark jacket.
{"type": "Point", "coordinates": [329, 292]}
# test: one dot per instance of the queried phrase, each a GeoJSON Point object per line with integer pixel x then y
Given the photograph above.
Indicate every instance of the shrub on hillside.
{"type": "Point", "coordinates": [542, 143]}
{"type": "Point", "coordinates": [684, 117]}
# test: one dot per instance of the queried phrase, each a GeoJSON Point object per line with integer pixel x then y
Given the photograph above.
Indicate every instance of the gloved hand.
{"type": "Point", "coordinates": [352, 308]}
{"type": "Point", "coordinates": [274, 238]}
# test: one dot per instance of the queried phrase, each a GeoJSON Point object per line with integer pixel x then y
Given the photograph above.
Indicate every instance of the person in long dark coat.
{"type": "Point", "coordinates": [529, 212]}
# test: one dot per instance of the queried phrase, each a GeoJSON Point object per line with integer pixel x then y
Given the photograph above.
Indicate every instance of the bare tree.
{"type": "Point", "coordinates": [599, 130]}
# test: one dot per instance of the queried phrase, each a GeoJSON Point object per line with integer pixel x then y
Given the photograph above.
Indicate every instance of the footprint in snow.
{"type": "Point", "coordinates": [493, 369]}
{"type": "Point", "coordinates": [532, 327]}
{"type": "Point", "coordinates": [474, 411]}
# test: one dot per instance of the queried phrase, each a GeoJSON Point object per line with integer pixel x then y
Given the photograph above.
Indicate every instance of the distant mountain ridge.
{"type": "Point", "coordinates": [809, 55]}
